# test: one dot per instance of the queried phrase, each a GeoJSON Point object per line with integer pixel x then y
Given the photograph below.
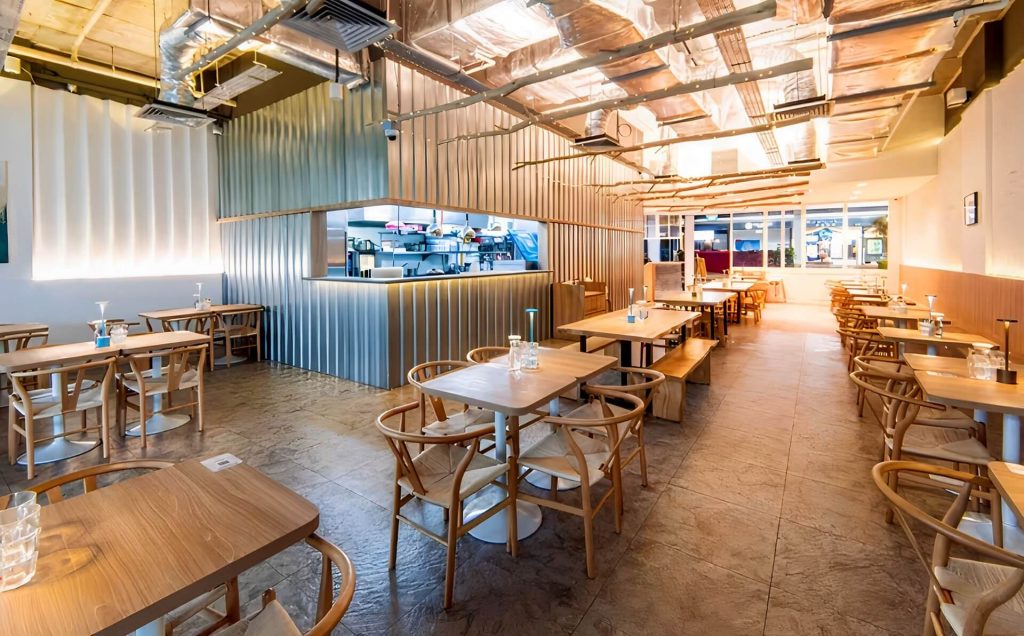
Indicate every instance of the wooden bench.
{"type": "Point", "coordinates": [689, 362]}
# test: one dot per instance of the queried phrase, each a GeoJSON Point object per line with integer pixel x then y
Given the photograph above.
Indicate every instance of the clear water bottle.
{"type": "Point", "coordinates": [531, 355]}
{"type": "Point", "coordinates": [515, 353]}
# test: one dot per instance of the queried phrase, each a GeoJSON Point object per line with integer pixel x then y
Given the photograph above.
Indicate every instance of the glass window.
{"type": "Point", "coordinates": [868, 232]}
{"type": "Point", "coordinates": [782, 246]}
{"type": "Point", "coordinates": [711, 241]}
{"type": "Point", "coordinates": [824, 237]}
{"type": "Point", "coordinates": [747, 239]}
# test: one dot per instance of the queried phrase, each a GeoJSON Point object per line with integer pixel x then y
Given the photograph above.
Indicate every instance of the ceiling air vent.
{"type": "Point", "coordinates": [815, 107]}
{"type": "Point", "coordinates": [165, 113]}
{"type": "Point", "coordinates": [343, 24]}
{"type": "Point", "coordinates": [601, 141]}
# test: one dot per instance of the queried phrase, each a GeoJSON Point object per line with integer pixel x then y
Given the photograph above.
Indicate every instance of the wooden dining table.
{"type": "Point", "coordinates": [119, 558]}
{"type": "Point", "coordinates": [953, 339]}
{"type": "Point", "coordinates": [175, 318]}
{"type": "Point", "coordinates": [53, 356]}
{"type": "Point", "coordinates": [899, 318]}
{"type": "Point", "coordinates": [615, 325]}
{"type": "Point", "coordinates": [947, 380]}
{"type": "Point", "coordinates": [14, 329]}
{"type": "Point", "coordinates": [511, 395]}
{"type": "Point", "coordinates": [712, 299]}
{"type": "Point", "coordinates": [1008, 478]}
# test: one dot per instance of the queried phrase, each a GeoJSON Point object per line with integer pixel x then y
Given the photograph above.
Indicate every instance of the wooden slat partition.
{"type": "Point", "coordinates": [972, 301]}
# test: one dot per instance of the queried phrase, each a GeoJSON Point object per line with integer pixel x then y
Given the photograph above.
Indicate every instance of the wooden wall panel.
{"type": "Point", "coordinates": [972, 301]}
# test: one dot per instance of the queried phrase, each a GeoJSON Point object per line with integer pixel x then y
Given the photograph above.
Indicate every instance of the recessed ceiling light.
{"type": "Point", "coordinates": [861, 184]}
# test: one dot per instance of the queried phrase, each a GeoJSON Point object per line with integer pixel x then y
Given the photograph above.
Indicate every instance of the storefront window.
{"type": "Point", "coordinates": [868, 230]}
{"type": "Point", "coordinates": [824, 238]}
{"type": "Point", "coordinates": [783, 227]}
{"type": "Point", "coordinates": [747, 239]}
{"type": "Point", "coordinates": [711, 241]}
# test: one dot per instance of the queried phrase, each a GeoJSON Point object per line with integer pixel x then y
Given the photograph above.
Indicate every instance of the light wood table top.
{"type": "Point", "coordinates": [890, 313]}
{"type": "Point", "coordinates": [613, 325]}
{"type": "Point", "coordinates": [947, 380]}
{"type": "Point", "coordinates": [492, 386]}
{"type": "Point", "coordinates": [122, 556]}
{"type": "Point", "coordinates": [1009, 481]}
{"type": "Point", "coordinates": [728, 285]}
{"type": "Point", "coordinates": [582, 366]}
{"type": "Point", "coordinates": [191, 312]}
{"type": "Point", "coordinates": [706, 298]}
{"type": "Point", "coordinates": [53, 355]}
{"type": "Point", "coordinates": [950, 338]}
{"type": "Point", "coordinates": [15, 329]}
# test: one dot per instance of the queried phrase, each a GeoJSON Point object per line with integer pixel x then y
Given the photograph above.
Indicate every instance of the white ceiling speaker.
{"type": "Point", "coordinates": [956, 97]}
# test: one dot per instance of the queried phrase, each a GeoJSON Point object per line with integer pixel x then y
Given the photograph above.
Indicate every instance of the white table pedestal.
{"type": "Point", "coordinates": [61, 447]}
{"type": "Point", "coordinates": [1011, 453]}
{"type": "Point", "coordinates": [495, 529]}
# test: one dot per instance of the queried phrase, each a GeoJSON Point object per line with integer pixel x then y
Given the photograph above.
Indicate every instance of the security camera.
{"type": "Point", "coordinates": [390, 131]}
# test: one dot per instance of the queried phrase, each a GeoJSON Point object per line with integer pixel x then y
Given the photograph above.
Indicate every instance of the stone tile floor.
{"type": "Point", "coordinates": [760, 516]}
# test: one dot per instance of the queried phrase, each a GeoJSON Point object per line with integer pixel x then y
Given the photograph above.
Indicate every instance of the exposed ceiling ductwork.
{"type": "Point", "coordinates": [9, 12]}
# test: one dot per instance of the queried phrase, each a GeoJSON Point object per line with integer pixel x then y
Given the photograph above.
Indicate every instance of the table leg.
{"type": "Point", "coordinates": [583, 344]}
{"type": "Point", "coordinates": [158, 422]}
{"type": "Point", "coordinates": [625, 356]}
{"type": "Point", "coordinates": [933, 350]}
{"type": "Point", "coordinates": [1011, 453]}
{"type": "Point", "coordinates": [540, 480]}
{"type": "Point", "coordinates": [156, 628]}
{"type": "Point", "coordinates": [60, 447]}
{"type": "Point", "coordinates": [714, 331]}
{"type": "Point", "coordinates": [495, 529]}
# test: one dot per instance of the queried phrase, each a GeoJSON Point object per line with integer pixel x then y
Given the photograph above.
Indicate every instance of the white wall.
{"type": "Point", "coordinates": [65, 305]}
{"type": "Point", "coordinates": [984, 154]}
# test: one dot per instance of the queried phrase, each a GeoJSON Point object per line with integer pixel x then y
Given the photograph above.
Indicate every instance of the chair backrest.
{"type": "Point", "coordinates": [52, 489]}
{"type": "Point", "coordinates": [393, 425]}
{"type": "Point", "coordinates": [977, 606]}
{"type": "Point", "coordinates": [93, 324]}
{"type": "Point", "coordinates": [639, 382]}
{"type": "Point", "coordinates": [26, 339]}
{"type": "Point", "coordinates": [609, 422]}
{"type": "Point", "coordinates": [198, 324]}
{"type": "Point", "coordinates": [177, 363]}
{"type": "Point", "coordinates": [700, 267]}
{"type": "Point", "coordinates": [330, 608]}
{"type": "Point", "coordinates": [72, 379]}
{"type": "Point", "coordinates": [900, 396]}
{"type": "Point", "coordinates": [426, 371]}
{"type": "Point", "coordinates": [486, 354]}
{"type": "Point", "coordinates": [241, 318]}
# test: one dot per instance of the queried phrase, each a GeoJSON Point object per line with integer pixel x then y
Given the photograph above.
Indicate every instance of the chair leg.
{"type": "Point", "coordinates": [84, 423]}
{"type": "Point", "coordinates": [200, 394]}
{"type": "Point", "coordinates": [996, 515]}
{"type": "Point", "coordinates": [513, 521]}
{"type": "Point", "coordinates": [588, 527]}
{"type": "Point", "coordinates": [643, 457]}
{"type": "Point", "coordinates": [30, 446]}
{"type": "Point", "coordinates": [227, 348]}
{"type": "Point", "coordinates": [142, 419]}
{"type": "Point", "coordinates": [617, 495]}
{"type": "Point", "coordinates": [449, 572]}
{"type": "Point", "coordinates": [12, 435]}
{"type": "Point", "coordinates": [104, 414]}
{"type": "Point", "coordinates": [232, 606]}
{"type": "Point", "coordinates": [396, 505]}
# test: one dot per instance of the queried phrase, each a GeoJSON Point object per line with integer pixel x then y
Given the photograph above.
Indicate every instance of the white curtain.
{"type": "Point", "coordinates": [115, 197]}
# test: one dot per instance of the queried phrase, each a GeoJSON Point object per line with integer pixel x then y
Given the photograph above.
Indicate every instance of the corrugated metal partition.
{"type": "Point", "coordinates": [445, 318]}
{"type": "Point", "coordinates": [330, 327]}
{"type": "Point", "coordinates": [305, 151]}
{"type": "Point", "coordinates": [591, 233]}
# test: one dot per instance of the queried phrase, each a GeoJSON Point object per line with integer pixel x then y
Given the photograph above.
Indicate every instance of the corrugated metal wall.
{"type": "Point", "coordinates": [590, 234]}
{"type": "Point", "coordinates": [305, 151]}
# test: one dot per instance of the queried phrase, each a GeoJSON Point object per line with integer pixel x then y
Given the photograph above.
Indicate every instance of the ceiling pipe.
{"type": "Point", "coordinates": [269, 19]}
{"type": "Point", "coordinates": [633, 100]}
{"type": "Point", "coordinates": [957, 13]}
{"type": "Point", "coordinates": [748, 15]}
{"type": "Point", "coordinates": [94, 17]}
{"type": "Point", "coordinates": [46, 57]}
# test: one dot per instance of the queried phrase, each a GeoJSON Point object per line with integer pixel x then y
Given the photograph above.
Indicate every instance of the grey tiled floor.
{"type": "Point", "coordinates": [760, 517]}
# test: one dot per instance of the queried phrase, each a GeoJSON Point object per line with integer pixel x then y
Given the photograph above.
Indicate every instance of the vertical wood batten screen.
{"type": "Point", "coordinates": [113, 199]}
{"type": "Point", "coordinates": [305, 151]}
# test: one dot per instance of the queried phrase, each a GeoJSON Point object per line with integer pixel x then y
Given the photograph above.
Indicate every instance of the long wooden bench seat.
{"type": "Point", "coordinates": [594, 344]}
{"type": "Point", "coordinates": [689, 362]}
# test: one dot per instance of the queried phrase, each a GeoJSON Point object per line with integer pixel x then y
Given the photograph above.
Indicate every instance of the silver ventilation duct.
{"type": "Point", "coordinates": [182, 39]}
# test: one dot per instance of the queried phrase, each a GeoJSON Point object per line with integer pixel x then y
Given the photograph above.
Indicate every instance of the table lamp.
{"type": "Point", "coordinates": [532, 313]}
{"type": "Point", "coordinates": [1006, 375]}
{"type": "Point", "coordinates": [102, 338]}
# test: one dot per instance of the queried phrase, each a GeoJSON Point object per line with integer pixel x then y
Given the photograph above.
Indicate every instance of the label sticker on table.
{"type": "Point", "coordinates": [220, 462]}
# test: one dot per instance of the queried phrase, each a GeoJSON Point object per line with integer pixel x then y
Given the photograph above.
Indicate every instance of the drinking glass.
{"type": "Point", "coordinates": [515, 353]}
{"type": "Point", "coordinates": [531, 357]}
{"type": "Point", "coordinates": [19, 540]}
{"type": "Point", "coordinates": [118, 334]}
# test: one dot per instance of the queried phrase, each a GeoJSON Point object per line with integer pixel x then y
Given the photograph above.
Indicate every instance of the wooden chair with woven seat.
{"type": "Point", "coordinates": [203, 323]}
{"type": "Point", "coordinates": [27, 338]}
{"type": "Point", "coordinates": [74, 394]}
{"type": "Point", "coordinates": [445, 423]}
{"type": "Point", "coordinates": [568, 452]}
{"type": "Point", "coordinates": [970, 596]}
{"type": "Point", "coordinates": [273, 620]}
{"type": "Point", "coordinates": [639, 382]}
{"type": "Point", "coordinates": [178, 372]}
{"type": "Point", "coordinates": [903, 437]}
{"type": "Point", "coordinates": [754, 300]}
{"type": "Point", "coordinates": [866, 342]}
{"type": "Point", "coordinates": [486, 354]}
{"type": "Point", "coordinates": [239, 331]}
{"type": "Point", "coordinates": [87, 480]}
{"type": "Point", "coordinates": [449, 470]}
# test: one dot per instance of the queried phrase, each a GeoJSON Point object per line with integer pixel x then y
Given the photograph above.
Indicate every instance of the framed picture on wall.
{"type": "Point", "coordinates": [971, 209]}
